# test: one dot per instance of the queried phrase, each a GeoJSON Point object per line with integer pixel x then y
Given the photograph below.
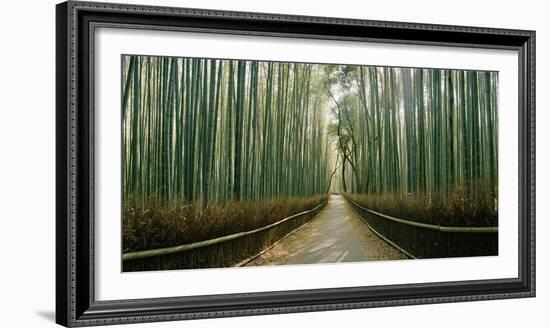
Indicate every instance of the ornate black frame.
{"type": "Point", "coordinates": [75, 303]}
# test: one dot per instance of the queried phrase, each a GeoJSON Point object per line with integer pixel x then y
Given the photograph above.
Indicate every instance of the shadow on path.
{"type": "Point", "coordinates": [335, 235]}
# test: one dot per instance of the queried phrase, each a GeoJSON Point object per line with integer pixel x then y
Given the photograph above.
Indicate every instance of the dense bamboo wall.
{"type": "Point", "coordinates": [218, 130]}
{"type": "Point", "coordinates": [416, 131]}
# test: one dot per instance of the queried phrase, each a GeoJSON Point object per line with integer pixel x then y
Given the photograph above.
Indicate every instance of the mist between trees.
{"type": "Point", "coordinates": [207, 132]}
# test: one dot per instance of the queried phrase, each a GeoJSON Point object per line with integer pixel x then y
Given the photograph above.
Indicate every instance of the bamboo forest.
{"type": "Point", "coordinates": [243, 162]}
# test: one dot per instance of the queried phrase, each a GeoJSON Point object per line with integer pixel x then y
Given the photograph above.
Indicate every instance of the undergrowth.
{"type": "Point", "coordinates": [157, 225]}
{"type": "Point", "coordinates": [453, 209]}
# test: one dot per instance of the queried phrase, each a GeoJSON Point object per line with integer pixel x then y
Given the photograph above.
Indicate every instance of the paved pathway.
{"type": "Point", "coordinates": [335, 235]}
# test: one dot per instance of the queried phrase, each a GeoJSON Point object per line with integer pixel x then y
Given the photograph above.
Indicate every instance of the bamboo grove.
{"type": "Point", "coordinates": [207, 130]}
{"type": "Point", "coordinates": [212, 131]}
{"type": "Point", "coordinates": [416, 131]}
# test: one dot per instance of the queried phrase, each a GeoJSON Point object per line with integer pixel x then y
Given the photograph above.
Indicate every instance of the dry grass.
{"type": "Point", "coordinates": [155, 225]}
{"type": "Point", "coordinates": [453, 209]}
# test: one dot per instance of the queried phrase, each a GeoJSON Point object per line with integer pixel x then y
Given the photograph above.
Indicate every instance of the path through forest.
{"type": "Point", "coordinates": [335, 235]}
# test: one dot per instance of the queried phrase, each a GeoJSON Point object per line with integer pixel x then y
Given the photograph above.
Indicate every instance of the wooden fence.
{"type": "Point", "coordinates": [232, 250]}
{"type": "Point", "coordinates": [421, 240]}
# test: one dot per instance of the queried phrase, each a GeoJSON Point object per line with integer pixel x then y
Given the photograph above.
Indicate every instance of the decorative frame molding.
{"type": "Point", "coordinates": [75, 28]}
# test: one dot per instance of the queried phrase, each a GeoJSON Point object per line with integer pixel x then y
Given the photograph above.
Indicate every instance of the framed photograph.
{"type": "Point", "coordinates": [214, 163]}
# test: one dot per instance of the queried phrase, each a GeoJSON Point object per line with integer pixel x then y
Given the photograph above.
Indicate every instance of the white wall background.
{"type": "Point", "coordinates": [27, 161]}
